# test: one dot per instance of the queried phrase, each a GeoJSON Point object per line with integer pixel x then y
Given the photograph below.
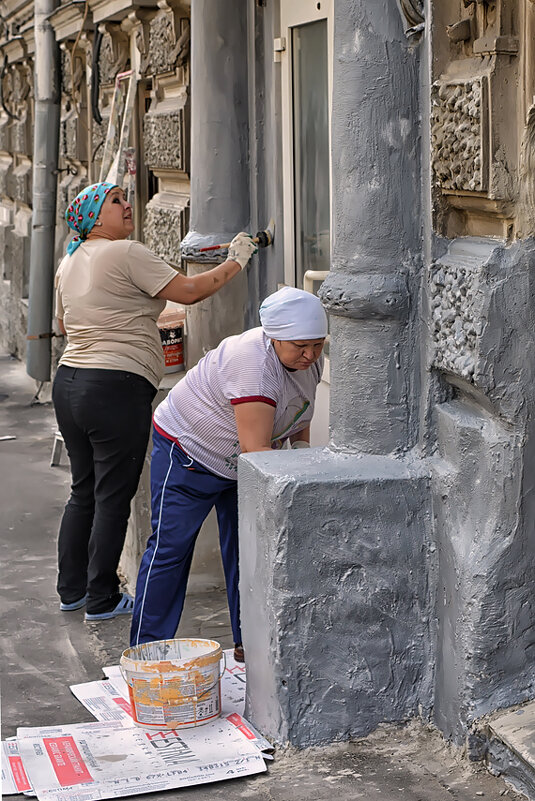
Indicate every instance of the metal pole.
{"type": "Point", "coordinates": [45, 164]}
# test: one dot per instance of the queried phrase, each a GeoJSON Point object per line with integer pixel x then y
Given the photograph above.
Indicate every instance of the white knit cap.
{"type": "Point", "coordinates": [293, 314]}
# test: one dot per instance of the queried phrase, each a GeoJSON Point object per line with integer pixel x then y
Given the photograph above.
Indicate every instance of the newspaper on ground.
{"type": "Point", "coordinates": [93, 761]}
{"type": "Point", "coordinates": [14, 778]}
{"type": "Point", "coordinates": [104, 702]}
{"type": "Point", "coordinates": [114, 758]}
{"type": "Point", "coordinates": [109, 700]}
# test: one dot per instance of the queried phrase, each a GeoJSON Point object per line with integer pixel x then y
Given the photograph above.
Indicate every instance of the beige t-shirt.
{"type": "Point", "coordinates": [105, 295]}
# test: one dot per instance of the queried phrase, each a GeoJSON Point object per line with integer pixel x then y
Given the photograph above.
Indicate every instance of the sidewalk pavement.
{"type": "Point", "coordinates": [44, 651]}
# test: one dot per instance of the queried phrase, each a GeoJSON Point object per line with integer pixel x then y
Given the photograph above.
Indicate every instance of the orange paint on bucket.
{"type": "Point", "coordinates": [173, 684]}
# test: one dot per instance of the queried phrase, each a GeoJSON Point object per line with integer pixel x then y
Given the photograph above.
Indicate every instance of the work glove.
{"type": "Point", "coordinates": [242, 248]}
{"type": "Point", "coordinates": [300, 443]}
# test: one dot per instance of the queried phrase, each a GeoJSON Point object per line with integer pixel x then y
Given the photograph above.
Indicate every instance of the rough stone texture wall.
{"type": "Point", "coordinates": [457, 305]}
{"type": "Point", "coordinates": [163, 140]}
{"type": "Point", "coordinates": [482, 494]}
{"type": "Point", "coordinates": [335, 593]}
{"type": "Point", "coordinates": [457, 134]}
{"type": "Point", "coordinates": [163, 231]}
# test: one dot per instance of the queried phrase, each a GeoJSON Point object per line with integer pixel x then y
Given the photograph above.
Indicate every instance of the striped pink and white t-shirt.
{"type": "Point", "coordinates": [199, 411]}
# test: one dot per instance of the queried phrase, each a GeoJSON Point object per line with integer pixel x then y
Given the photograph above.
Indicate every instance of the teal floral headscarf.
{"type": "Point", "coordinates": [82, 213]}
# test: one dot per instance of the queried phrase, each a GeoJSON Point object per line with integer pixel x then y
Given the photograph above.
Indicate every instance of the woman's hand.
{"type": "Point", "coordinates": [241, 249]}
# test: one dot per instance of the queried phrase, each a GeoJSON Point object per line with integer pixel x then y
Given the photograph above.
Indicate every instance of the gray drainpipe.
{"type": "Point", "coordinates": [45, 165]}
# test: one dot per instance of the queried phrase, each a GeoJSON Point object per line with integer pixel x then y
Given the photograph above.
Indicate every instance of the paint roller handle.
{"type": "Point", "coordinates": [255, 239]}
{"type": "Point", "coordinates": [262, 239]}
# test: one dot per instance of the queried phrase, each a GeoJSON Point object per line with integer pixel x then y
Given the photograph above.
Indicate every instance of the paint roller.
{"type": "Point", "coordinates": [262, 238]}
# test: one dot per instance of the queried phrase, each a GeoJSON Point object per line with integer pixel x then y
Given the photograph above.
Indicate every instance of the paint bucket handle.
{"type": "Point", "coordinates": [209, 690]}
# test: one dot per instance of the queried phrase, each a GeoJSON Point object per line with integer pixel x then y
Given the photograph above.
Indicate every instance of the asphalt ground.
{"type": "Point", "coordinates": [43, 650]}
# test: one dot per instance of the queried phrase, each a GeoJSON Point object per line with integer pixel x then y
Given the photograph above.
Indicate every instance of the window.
{"type": "Point", "coordinates": [306, 91]}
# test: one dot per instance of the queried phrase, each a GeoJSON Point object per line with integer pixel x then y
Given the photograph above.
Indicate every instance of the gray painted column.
{"type": "Point", "coordinates": [376, 214]}
{"type": "Point", "coordinates": [219, 162]}
{"type": "Point", "coordinates": [335, 548]}
{"type": "Point", "coordinates": [45, 162]}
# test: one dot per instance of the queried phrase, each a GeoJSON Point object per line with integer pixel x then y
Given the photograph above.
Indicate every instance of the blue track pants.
{"type": "Point", "coordinates": [183, 493]}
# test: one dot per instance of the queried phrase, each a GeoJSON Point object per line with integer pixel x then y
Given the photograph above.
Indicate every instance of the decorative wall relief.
{"type": "Point", "coordinates": [7, 93]}
{"type": "Point", "coordinates": [20, 137]}
{"type": "Point", "coordinates": [5, 168]}
{"type": "Point", "coordinates": [20, 183]}
{"type": "Point", "coordinates": [459, 151]}
{"type": "Point", "coordinates": [113, 55]}
{"type": "Point", "coordinates": [72, 74]}
{"type": "Point", "coordinates": [21, 134]}
{"type": "Point", "coordinates": [69, 143]}
{"type": "Point", "coordinates": [5, 132]}
{"type": "Point", "coordinates": [65, 58]}
{"type": "Point", "coordinates": [526, 216]}
{"type": "Point", "coordinates": [161, 42]}
{"type": "Point", "coordinates": [163, 140]}
{"type": "Point", "coordinates": [169, 39]}
{"type": "Point", "coordinates": [413, 15]}
{"type": "Point", "coordinates": [98, 138]}
{"type": "Point", "coordinates": [163, 231]}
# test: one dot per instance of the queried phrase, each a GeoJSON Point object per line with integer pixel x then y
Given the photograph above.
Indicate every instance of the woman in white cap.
{"type": "Point", "coordinates": [254, 392]}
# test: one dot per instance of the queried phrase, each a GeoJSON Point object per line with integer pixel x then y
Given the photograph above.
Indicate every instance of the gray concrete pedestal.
{"type": "Point", "coordinates": [334, 563]}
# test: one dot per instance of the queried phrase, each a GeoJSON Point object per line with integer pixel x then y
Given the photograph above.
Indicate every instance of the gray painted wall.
{"type": "Point", "coordinates": [483, 497]}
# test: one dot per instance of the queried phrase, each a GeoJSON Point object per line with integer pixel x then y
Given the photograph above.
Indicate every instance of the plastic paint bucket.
{"type": "Point", "coordinates": [171, 324]}
{"type": "Point", "coordinates": [173, 684]}
{"type": "Point", "coordinates": [172, 338]}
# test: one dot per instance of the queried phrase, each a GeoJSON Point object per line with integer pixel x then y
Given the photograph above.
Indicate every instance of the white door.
{"type": "Point", "coordinates": [306, 92]}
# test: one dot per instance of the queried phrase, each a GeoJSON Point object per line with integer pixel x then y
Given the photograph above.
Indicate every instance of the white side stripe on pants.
{"type": "Point", "coordinates": [157, 543]}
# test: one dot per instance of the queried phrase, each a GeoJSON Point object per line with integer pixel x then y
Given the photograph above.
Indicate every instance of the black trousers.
{"type": "Point", "coordinates": [105, 419]}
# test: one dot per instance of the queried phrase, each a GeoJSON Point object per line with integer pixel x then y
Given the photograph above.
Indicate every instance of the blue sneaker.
{"type": "Point", "coordinates": [74, 605]}
{"type": "Point", "coordinates": [124, 607]}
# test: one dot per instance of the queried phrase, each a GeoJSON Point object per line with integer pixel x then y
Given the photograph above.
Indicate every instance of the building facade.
{"type": "Point", "coordinates": [388, 572]}
{"type": "Point", "coordinates": [122, 74]}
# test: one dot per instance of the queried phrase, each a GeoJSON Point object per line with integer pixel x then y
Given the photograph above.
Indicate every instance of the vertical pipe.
{"type": "Point", "coordinates": [219, 117]}
{"type": "Point", "coordinates": [45, 162]}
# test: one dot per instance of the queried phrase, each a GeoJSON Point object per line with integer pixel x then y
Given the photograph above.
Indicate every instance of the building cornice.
{"type": "Point", "coordinates": [67, 20]}
{"type": "Point", "coordinates": [116, 10]}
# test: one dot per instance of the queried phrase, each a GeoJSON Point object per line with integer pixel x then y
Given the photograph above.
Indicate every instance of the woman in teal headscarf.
{"type": "Point", "coordinates": [110, 292]}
